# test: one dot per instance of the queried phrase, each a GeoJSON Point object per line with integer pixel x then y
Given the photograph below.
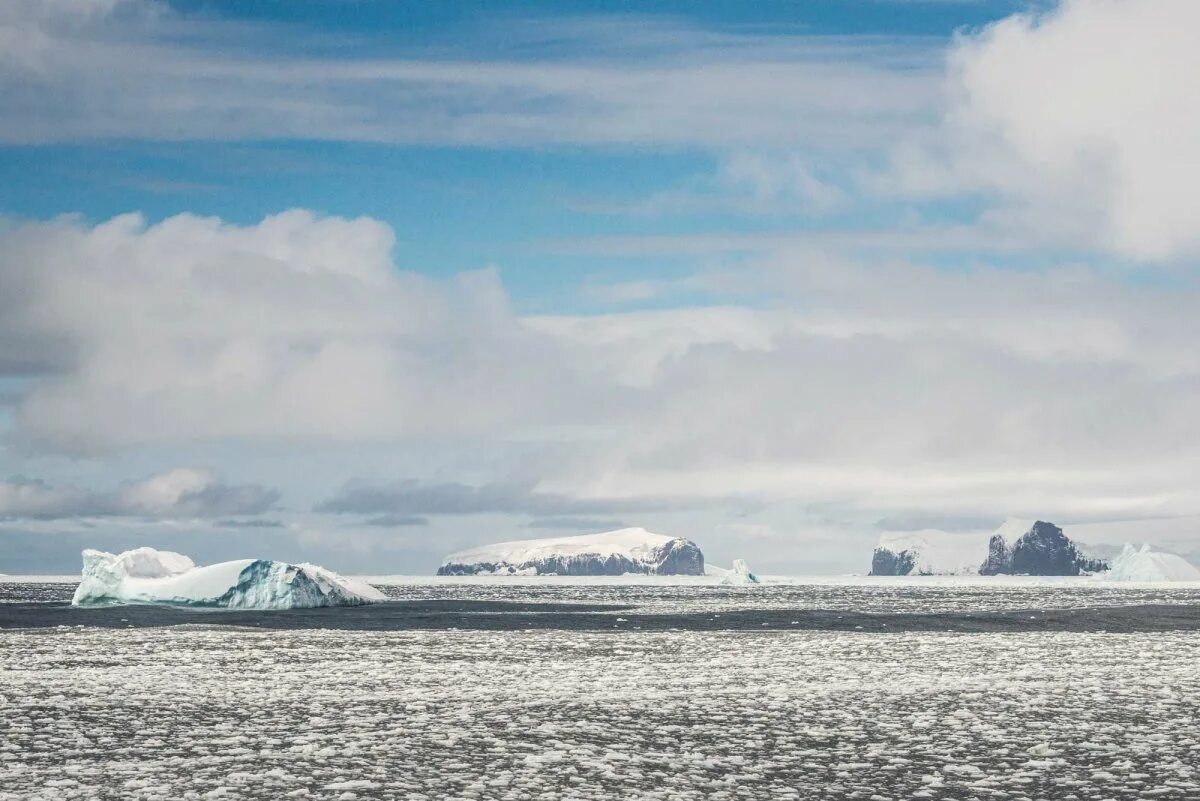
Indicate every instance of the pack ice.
{"type": "Point", "coordinates": [609, 553]}
{"type": "Point", "coordinates": [148, 576]}
{"type": "Point", "coordinates": [1143, 564]}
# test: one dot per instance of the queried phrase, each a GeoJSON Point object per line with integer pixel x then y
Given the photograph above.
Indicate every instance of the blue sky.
{"type": "Point", "coordinates": [458, 208]}
{"type": "Point", "coordinates": [777, 276]}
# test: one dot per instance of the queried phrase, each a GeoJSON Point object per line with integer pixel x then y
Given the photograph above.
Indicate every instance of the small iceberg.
{"type": "Point", "coordinates": [1134, 564]}
{"type": "Point", "coordinates": [148, 576]}
{"type": "Point", "coordinates": [740, 575]}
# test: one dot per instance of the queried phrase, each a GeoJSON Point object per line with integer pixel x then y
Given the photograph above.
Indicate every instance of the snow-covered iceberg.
{"type": "Point", "coordinates": [147, 576]}
{"type": "Point", "coordinates": [610, 553]}
{"type": "Point", "coordinates": [1143, 564]}
{"type": "Point", "coordinates": [740, 575]}
{"type": "Point", "coordinates": [927, 553]}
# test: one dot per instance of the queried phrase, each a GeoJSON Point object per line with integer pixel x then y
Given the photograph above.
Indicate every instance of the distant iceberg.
{"type": "Point", "coordinates": [1143, 564]}
{"type": "Point", "coordinates": [147, 576]}
{"type": "Point", "coordinates": [740, 575]}
{"type": "Point", "coordinates": [927, 553]}
{"type": "Point", "coordinates": [610, 553]}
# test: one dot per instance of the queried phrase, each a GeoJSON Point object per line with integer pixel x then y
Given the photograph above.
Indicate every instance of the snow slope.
{"type": "Point", "coordinates": [1134, 564]}
{"type": "Point", "coordinates": [146, 576]}
{"type": "Point", "coordinates": [936, 552]}
{"type": "Point", "coordinates": [627, 550]}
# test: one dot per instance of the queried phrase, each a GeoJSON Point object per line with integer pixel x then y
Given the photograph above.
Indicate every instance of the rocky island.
{"type": "Point", "coordinates": [1016, 548]}
{"type": "Point", "coordinates": [610, 553]}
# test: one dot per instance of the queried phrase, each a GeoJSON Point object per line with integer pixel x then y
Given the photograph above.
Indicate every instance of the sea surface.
{"type": "Point", "coordinates": [612, 689]}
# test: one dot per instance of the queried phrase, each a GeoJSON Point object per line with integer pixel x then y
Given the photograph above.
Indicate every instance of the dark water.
{"type": "Point", "coordinates": [613, 693]}
{"type": "Point", "coordinates": [523, 616]}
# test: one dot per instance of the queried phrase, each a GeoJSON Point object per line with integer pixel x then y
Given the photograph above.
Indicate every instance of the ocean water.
{"type": "Point", "coordinates": [960, 689]}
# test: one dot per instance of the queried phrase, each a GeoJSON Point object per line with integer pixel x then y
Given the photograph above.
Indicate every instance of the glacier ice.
{"type": "Point", "coordinates": [928, 552]}
{"type": "Point", "coordinates": [147, 576]}
{"type": "Point", "coordinates": [1143, 564]}
{"type": "Point", "coordinates": [609, 553]}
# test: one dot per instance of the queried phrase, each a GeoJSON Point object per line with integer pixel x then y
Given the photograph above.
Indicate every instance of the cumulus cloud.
{"type": "Point", "coordinates": [1085, 119]}
{"type": "Point", "coordinates": [176, 494]}
{"type": "Point", "coordinates": [296, 327]}
{"type": "Point", "coordinates": [891, 387]}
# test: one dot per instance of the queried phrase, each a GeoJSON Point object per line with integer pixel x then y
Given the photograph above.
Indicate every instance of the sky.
{"type": "Point", "coordinates": [364, 283]}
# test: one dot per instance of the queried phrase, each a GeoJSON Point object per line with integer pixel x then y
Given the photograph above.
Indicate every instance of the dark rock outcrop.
{"type": "Point", "coordinates": [889, 563]}
{"type": "Point", "coordinates": [1043, 550]}
{"type": "Point", "coordinates": [999, 557]}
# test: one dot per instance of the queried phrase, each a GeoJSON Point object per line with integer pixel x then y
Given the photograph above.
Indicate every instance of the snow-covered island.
{"type": "Point", "coordinates": [148, 576]}
{"type": "Point", "coordinates": [610, 553]}
{"type": "Point", "coordinates": [1016, 548]}
{"type": "Point", "coordinates": [1019, 548]}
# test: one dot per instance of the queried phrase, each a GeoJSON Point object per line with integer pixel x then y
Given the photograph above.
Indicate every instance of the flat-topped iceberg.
{"type": "Point", "coordinates": [610, 553]}
{"type": "Point", "coordinates": [927, 553]}
{"type": "Point", "coordinates": [1143, 564]}
{"type": "Point", "coordinates": [147, 576]}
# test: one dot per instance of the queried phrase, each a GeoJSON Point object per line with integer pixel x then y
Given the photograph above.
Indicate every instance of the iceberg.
{"type": "Point", "coordinates": [147, 576]}
{"type": "Point", "coordinates": [740, 575]}
{"type": "Point", "coordinates": [609, 553]}
{"type": "Point", "coordinates": [927, 553]}
{"type": "Point", "coordinates": [1143, 564]}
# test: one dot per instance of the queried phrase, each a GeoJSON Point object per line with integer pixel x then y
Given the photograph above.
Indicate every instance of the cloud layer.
{"type": "Point", "coordinates": [136, 69]}
{"type": "Point", "coordinates": [890, 386]}
{"type": "Point", "coordinates": [181, 493]}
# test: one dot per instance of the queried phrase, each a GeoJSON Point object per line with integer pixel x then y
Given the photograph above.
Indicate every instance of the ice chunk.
{"type": "Point", "coordinates": [1134, 564]}
{"type": "Point", "coordinates": [147, 576]}
{"type": "Point", "coordinates": [740, 574]}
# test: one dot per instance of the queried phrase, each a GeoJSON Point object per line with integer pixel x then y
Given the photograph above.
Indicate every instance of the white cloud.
{"type": "Point", "coordinates": [890, 387]}
{"type": "Point", "coordinates": [144, 71]}
{"type": "Point", "coordinates": [181, 493]}
{"type": "Point", "coordinates": [1086, 120]}
{"type": "Point", "coordinates": [300, 326]}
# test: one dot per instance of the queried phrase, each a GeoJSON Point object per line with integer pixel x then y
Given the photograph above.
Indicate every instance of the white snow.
{"type": "Point", "coordinates": [940, 552]}
{"type": "Point", "coordinates": [636, 544]}
{"type": "Point", "coordinates": [147, 576]}
{"type": "Point", "coordinates": [1134, 564]}
{"type": "Point", "coordinates": [1012, 530]}
{"type": "Point", "coordinates": [147, 562]}
{"type": "Point", "coordinates": [740, 574]}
